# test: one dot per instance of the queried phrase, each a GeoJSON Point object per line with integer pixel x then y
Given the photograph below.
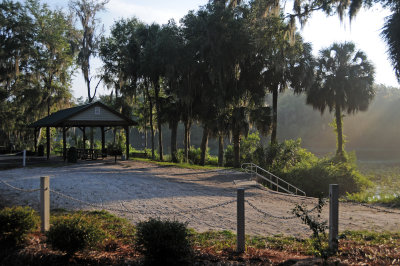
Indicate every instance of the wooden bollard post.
{"type": "Point", "coordinates": [24, 158]}
{"type": "Point", "coordinates": [333, 217]}
{"type": "Point", "coordinates": [45, 203]}
{"type": "Point", "coordinates": [240, 221]}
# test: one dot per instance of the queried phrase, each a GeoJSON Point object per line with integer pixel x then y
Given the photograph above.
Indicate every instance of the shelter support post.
{"type": "Point", "coordinates": [103, 140]}
{"type": "Point", "coordinates": [127, 142]}
{"type": "Point", "coordinates": [84, 138]}
{"type": "Point", "coordinates": [48, 142]}
{"type": "Point", "coordinates": [35, 143]}
{"type": "Point", "coordinates": [64, 143]}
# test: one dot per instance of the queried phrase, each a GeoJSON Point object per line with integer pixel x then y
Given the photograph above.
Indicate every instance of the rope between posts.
{"type": "Point", "coordinates": [276, 217]}
{"type": "Point", "coordinates": [376, 208]}
{"type": "Point", "coordinates": [20, 189]}
{"type": "Point", "coordinates": [13, 154]}
{"type": "Point", "coordinates": [138, 211]}
{"type": "Point", "coordinates": [268, 214]}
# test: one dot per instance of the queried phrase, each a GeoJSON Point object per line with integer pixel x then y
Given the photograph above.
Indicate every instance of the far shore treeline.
{"type": "Point", "coordinates": [227, 69]}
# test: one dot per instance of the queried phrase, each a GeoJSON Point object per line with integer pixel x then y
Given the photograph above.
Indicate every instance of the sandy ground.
{"type": "Point", "coordinates": [138, 191]}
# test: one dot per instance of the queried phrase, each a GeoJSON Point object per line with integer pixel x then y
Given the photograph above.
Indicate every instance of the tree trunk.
{"type": "Point", "coordinates": [339, 132]}
{"type": "Point", "coordinates": [145, 138]}
{"type": "Point", "coordinates": [220, 150]}
{"type": "Point", "coordinates": [150, 120]}
{"type": "Point", "coordinates": [158, 110]}
{"type": "Point", "coordinates": [153, 157]}
{"type": "Point", "coordinates": [204, 145]}
{"type": "Point", "coordinates": [48, 142]}
{"type": "Point", "coordinates": [274, 116]}
{"type": "Point", "coordinates": [188, 137]}
{"type": "Point", "coordinates": [145, 125]}
{"type": "Point", "coordinates": [174, 130]}
{"type": "Point", "coordinates": [160, 147]}
{"type": "Point", "coordinates": [186, 140]}
{"type": "Point", "coordinates": [39, 138]}
{"type": "Point", "coordinates": [236, 148]}
{"type": "Point", "coordinates": [48, 106]}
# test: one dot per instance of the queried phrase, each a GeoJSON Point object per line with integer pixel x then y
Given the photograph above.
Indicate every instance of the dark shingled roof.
{"type": "Point", "coordinates": [59, 118]}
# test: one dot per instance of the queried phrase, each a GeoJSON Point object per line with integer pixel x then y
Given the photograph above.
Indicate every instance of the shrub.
{"type": "Point", "coordinates": [15, 224]}
{"type": "Point", "coordinates": [281, 157]}
{"type": "Point", "coordinates": [304, 170]}
{"type": "Point", "coordinates": [229, 155]}
{"type": "Point", "coordinates": [74, 233]}
{"type": "Point", "coordinates": [248, 146]}
{"type": "Point", "coordinates": [193, 154]}
{"type": "Point", "coordinates": [148, 153]}
{"type": "Point", "coordinates": [72, 155]}
{"type": "Point", "coordinates": [213, 160]}
{"type": "Point", "coordinates": [164, 242]}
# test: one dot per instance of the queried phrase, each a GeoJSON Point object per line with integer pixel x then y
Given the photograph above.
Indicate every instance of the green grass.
{"type": "Point", "coordinates": [386, 180]}
{"type": "Point", "coordinates": [220, 240]}
{"type": "Point", "coordinates": [182, 165]}
{"type": "Point", "coordinates": [372, 238]}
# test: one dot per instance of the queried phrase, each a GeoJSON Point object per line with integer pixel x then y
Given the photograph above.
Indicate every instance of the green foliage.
{"type": "Point", "coordinates": [15, 224]}
{"type": "Point", "coordinates": [386, 184]}
{"type": "Point", "coordinates": [164, 242]}
{"type": "Point", "coordinates": [248, 147]}
{"type": "Point", "coordinates": [148, 154]}
{"type": "Point", "coordinates": [72, 155]}
{"type": "Point", "coordinates": [212, 160]}
{"type": "Point", "coordinates": [74, 233]}
{"type": "Point", "coordinates": [193, 154]}
{"type": "Point", "coordinates": [317, 227]}
{"type": "Point", "coordinates": [304, 170]}
{"type": "Point", "coordinates": [116, 227]}
{"type": "Point", "coordinates": [280, 157]}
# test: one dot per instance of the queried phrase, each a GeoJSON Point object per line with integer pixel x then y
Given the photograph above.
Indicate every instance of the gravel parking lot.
{"type": "Point", "coordinates": [139, 190]}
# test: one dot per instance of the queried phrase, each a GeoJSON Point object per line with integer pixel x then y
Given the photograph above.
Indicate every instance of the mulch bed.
{"type": "Point", "coordinates": [37, 252]}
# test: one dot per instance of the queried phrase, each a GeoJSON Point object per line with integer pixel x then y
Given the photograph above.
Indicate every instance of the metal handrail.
{"type": "Point", "coordinates": [255, 169]}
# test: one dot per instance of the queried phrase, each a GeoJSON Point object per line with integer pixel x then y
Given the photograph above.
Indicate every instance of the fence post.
{"type": "Point", "coordinates": [24, 158]}
{"type": "Point", "coordinates": [240, 221]}
{"type": "Point", "coordinates": [333, 217]}
{"type": "Point", "coordinates": [45, 203]}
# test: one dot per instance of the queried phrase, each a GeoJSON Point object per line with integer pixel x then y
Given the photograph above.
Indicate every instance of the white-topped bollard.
{"type": "Point", "coordinates": [45, 203]}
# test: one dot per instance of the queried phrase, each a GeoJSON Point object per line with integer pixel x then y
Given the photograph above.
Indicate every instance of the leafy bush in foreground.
{"type": "Point", "coordinates": [74, 233]}
{"type": "Point", "coordinates": [164, 242]}
{"type": "Point", "coordinates": [15, 224]}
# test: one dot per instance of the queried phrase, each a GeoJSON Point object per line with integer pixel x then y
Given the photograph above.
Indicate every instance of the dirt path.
{"type": "Point", "coordinates": [137, 191]}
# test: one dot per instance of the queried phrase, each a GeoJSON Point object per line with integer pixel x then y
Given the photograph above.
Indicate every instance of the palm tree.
{"type": "Point", "coordinates": [344, 79]}
{"type": "Point", "coordinates": [391, 33]}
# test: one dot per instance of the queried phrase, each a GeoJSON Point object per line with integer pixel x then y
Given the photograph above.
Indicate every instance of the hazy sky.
{"type": "Point", "coordinates": [321, 31]}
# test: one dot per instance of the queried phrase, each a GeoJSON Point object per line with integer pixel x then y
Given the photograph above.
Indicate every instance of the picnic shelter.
{"type": "Point", "coordinates": [95, 114]}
